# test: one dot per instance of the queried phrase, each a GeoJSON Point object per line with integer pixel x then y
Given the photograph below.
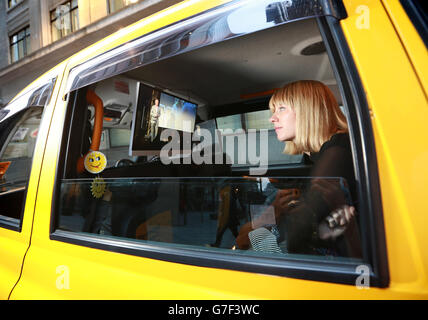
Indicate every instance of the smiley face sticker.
{"type": "Point", "coordinates": [95, 162]}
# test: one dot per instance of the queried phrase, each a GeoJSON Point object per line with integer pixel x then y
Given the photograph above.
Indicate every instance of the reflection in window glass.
{"type": "Point", "coordinates": [20, 44]}
{"type": "Point", "coordinates": [214, 214]}
{"type": "Point", "coordinates": [252, 120]}
{"type": "Point", "coordinates": [12, 3]}
{"type": "Point", "coordinates": [19, 129]}
{"type": "Point", "coordinates": [64, 20]}
{"type": "Point", "coordinates": [119, 137]}
{"type": "Point", "coordinates": [258, 120]}
{"type": "Point", "coordinates": [17, 157]}
{"type": "Point", "coordinates": [115, 5]}
{"type": "Point", "coordinates": [232, 122]}
{"type": "Point", "coordinates": [22, 143]}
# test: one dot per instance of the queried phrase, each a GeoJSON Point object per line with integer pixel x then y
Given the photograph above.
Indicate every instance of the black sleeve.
{"type": "Point", "coordinates": [300, 223]}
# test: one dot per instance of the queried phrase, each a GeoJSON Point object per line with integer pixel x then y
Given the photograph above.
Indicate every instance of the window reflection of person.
{"type": "Point", "coordinates": [155, 112]}
{"type": "Point", "coordinates": [307, 117]}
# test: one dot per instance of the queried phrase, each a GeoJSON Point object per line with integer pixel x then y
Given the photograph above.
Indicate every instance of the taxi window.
{"type": "Point", "coordinates": [19, 128]}
{"type": "Point", "coordinates": [218, 186]}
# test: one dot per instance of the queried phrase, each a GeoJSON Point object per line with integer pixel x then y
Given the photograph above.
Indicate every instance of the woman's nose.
{"type": "Point", "coordinates": [273, 118]}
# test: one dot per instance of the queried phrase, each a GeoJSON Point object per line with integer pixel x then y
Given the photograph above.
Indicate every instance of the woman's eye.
{"type": "Point", "coordinates": [281, 109]}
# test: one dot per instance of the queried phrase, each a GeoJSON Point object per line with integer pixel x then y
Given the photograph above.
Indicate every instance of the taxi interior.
{"type": "Point", "coordinates": [234, 77]}
{"type": "Point", "coordinates": [231, 83]}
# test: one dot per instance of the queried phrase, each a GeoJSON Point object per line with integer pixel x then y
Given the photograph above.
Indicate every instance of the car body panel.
{"type": "Point", "coordinates": [14, 244]}
{"type": "Point", "coordinates": [400, 151]}
{"type": "Point", "coordinates": [411, 40]}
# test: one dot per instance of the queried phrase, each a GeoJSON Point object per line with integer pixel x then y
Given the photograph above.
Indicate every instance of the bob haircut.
{"type": "Point", "coordinates": [318, 115]}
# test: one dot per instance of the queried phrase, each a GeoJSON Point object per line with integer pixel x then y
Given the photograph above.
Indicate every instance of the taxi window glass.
{"type": "Point", "coordinates": [239, 124]}
{"type": "Point", "coordinates": [222, 183]}
{"type": "Point", "coordinates": [19, 131]}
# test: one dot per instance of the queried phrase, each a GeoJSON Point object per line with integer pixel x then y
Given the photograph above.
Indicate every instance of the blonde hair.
{"type": "Point", "coordinates": [318, 115]}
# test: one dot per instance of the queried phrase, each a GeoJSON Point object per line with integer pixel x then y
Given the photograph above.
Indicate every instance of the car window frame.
{"type": "Point", "coordinates": [101, 66]}
{"type": "Point", "coordinates": [36, 96]}
{"type": "Point", "coordinates": [374, 245]}
{"type": "Point", "coordinates": [417, 17]}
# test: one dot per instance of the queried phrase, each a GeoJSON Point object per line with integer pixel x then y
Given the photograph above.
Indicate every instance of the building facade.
{"type": "Point", "coordinates": [35, 35]}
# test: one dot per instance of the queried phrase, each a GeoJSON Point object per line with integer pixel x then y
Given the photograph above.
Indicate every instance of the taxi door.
{"type": "Point", "coordinates": [24, 127]}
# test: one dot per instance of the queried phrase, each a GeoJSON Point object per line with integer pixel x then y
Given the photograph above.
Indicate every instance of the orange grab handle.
{"type": "Point", "coordinates": [96, 101]}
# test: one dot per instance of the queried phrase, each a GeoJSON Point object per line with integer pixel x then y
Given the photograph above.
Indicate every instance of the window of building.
{"type": "Point", "coordinates": [12, 3]}
{"type": "Point", "coordinates": [64, 20]}
{"type": "Point", "coordinates": [19, 128]}
{"type": "Point", "coordinates": [20, 44]}
{"type": "Point", "coordinates": [115, 5]}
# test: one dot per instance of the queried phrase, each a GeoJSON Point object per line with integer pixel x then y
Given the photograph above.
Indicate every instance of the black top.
{"type": "Point", "coordinates": [335, 160]}
{"type": "Point", "coordinates": [299, 226]}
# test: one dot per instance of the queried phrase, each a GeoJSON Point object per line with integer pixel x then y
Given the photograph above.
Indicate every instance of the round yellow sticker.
{"type": "Point", "coordinates": [95, 162]}
{"type": "Point", "coordinates": [98, 187]}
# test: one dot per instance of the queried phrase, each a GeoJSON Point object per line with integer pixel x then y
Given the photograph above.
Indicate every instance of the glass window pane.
{"type": "Point", "coordinates": [18, 134]}
{"type": "Point", "coordinates": [56, 33]}
{"type": "Point", "coordinates": [75, 20]}
{"type": "Point", "coordinates": [116, 5]}
{"type": "Point", "coordinates": [14, 55]}
{"type": "Point", "coordinates": [27, 45]}
{"type": "Point", "coordinates": [258, 120]}
{"type": "Point", "coordinates": [216, 200]}
{"type": "Point", "coordinates": [65, 25]}
{"type": "Point", "coordinates": [21, 50]}
{"type": "Point", "coordinates": [229, 123]}
{"type": "Point", "coordinates": [21, 34]}
{"type": "Point", "coordinates": [119, 137]}
{"type": "Point", "coordinates": [63, 9]}
{"type": "Point", "coordinates": [209, 214]}
{"type": "Point", "coordinates": [20, 44]}
{"type": "Point", "coordinates": [17, 156]}
{"type": "Point", "coordinates": [53, 15]}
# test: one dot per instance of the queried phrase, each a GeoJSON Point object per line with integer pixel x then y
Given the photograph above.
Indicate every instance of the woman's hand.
{"type": "Point", "coordinates": [242, 240]}
{"type": "Point", "coordinates": [281, 206]}
{"type": "Point", "coordinates": [282, 201]}
{"type": "Point", "coordinates": [336, 222]}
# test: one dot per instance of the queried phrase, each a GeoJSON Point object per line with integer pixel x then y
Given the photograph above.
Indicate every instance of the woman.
{"type": "Point", "coordinates": [307, 117]}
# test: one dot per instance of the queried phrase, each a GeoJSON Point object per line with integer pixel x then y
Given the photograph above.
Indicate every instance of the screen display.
{"type": "Point", "coordinates": [176, 113]}
{"type": "Point", "coordinates": [155, 112]}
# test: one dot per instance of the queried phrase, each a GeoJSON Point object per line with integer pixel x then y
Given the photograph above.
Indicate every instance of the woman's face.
{"type": "Point", "coordinates": [284, 120]}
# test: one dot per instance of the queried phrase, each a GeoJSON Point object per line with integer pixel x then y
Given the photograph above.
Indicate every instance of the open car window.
{"type": "Point", "coordinates": [185, 158]}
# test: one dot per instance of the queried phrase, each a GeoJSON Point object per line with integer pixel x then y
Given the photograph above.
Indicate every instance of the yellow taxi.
{"type": "Point", "coordinates": [128, 170]}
